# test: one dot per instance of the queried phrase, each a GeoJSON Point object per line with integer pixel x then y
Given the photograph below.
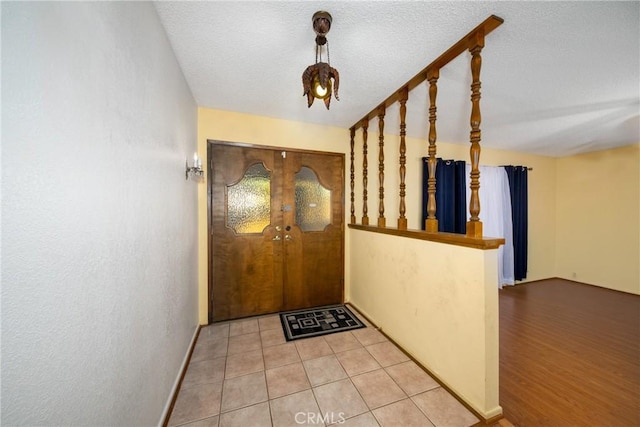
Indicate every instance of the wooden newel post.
{"type": "Point", "coordinates": [404, 96]}
{"type": "Point", "coordinates": [365, 182]}
{"type": "Point", "coordinates": [474, 225]}
{"type": "Point", "coordinates": [353, 177]}
{"type": "Point", "coordinates": [382, 222]}
{"type": "Point", "coordinates": [431, 223]}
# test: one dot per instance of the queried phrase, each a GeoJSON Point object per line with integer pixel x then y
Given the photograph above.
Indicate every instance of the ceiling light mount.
{"type": "Point", "coordinates": [321, 25]}
{"type": "Point", "coordinates": [316, 78]}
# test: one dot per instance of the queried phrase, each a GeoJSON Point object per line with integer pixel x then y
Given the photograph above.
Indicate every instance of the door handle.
{"type": "Point", "coordinates": [277, 237]}
{"type": "Point", "coordinates": [278, 228]}
{"type": "Point", "coordinates": [287, 237]}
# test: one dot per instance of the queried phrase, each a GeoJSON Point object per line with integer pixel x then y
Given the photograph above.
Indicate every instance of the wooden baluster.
{"type": "Point", "coordinates": [365, 182]}
{"type": "Point", "coordinates": [404, 96]}
{"type": "Point", "coordinates": [382, 222]}
{"type": "Point", "coordinates": [353, 177]}
{"type": "Point", "coordinates": [474, 225]}
{"type": "Point", "coordinates": [431, 223]}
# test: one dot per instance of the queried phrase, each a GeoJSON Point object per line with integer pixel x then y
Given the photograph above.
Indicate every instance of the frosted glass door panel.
{"type": "Point", "coordinates": [249, 201]}
{"type": "Point", "coordinates": [313, 201]}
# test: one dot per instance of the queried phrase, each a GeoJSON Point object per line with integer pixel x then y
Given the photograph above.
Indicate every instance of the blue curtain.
{"type": "Point", "coordinates": [451, 195]}
{"type": "Point", "coordinates": [519, 210]}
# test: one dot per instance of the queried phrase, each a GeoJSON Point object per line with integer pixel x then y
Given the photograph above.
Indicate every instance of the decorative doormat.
{"type": "Point", "coordinates": [313, 322]}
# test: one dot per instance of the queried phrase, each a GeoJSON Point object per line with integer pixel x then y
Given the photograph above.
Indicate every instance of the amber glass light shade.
{"type": "Point", "coordinates": [318, 90]}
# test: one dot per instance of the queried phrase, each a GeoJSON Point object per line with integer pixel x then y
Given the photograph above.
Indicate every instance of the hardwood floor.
{"type": "Point", "coordinates": [569, 355]}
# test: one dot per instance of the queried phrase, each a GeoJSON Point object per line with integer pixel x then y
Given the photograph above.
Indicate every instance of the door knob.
{"type": "Point", "coordinates": [287, 237]}
{"type": "Point", "coordinates": [278, 228]}
{"type": "Point", "coordinates": [277, 237]}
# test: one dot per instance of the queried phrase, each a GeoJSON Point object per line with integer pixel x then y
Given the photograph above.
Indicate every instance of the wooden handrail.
{"type": "Point", "coordinates": [473, 42]}
{"type": "Point", "coordinates": [466, 42]}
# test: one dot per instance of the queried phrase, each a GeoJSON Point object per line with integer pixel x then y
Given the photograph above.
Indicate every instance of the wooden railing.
{"type": "Point", "coordinates": [473, 42]}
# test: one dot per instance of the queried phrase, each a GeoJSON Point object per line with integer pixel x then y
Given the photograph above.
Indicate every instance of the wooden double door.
{"type": "Point", "coordinates": [276, 229]}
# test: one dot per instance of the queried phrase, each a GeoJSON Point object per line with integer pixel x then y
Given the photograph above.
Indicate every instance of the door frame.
{"type": "Point", "coordinates": [210, 203]}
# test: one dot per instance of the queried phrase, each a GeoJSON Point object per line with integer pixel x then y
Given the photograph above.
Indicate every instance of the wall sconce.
{"type": "Point", "coordinates": [316, 79]}
{"type": "Point", "coordinates": [196, 169]}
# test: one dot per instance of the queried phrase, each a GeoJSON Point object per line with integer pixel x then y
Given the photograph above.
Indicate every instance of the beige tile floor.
{"type": "Point", "coordinates": [244, 373]}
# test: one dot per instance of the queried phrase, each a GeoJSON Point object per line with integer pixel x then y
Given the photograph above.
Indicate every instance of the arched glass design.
{"type": "Point", "coordinates": [249, 201]}
{"type": "Point", "coordinates": [313, 201]}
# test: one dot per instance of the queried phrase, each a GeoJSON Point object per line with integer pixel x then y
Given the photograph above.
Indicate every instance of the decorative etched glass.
{"type": "Point", "coordinates": [313, 201]}
{"type": "Point", "coordinates": [249, 201]}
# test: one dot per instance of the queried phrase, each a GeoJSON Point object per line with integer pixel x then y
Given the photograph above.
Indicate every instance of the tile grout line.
{"type": "Point", "coordinates": [224, 374]}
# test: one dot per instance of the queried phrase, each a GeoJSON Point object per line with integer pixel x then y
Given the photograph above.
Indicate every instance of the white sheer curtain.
{"type": "Point", "coordinates": [495, 214]}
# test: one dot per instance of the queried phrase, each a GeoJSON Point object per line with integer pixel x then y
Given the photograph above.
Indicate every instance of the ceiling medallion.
{"type": "Point", "coordinates": [316, 79]}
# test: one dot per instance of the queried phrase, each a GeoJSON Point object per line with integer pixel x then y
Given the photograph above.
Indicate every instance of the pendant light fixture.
{"type": "Point", "coordinates": [316, 79]}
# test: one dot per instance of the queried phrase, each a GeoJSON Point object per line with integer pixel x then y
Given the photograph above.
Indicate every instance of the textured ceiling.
{"type": "Point", "coordinates": [558, 78]}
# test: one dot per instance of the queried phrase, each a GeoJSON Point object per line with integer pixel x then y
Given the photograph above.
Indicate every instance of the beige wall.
{"type": "Point", "coordinates": [439, 302]}
{"type": "Point", "coordinates": [598, 218]}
